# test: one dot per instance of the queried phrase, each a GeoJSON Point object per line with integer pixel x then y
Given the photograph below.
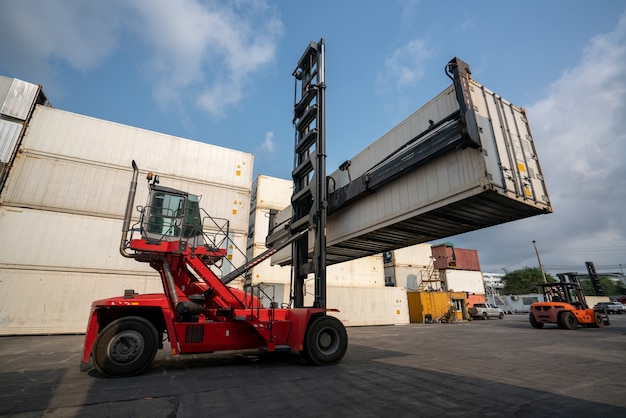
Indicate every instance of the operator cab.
{"type": "Point", "coordinates": [564, 292]}
{"type": "Point", "coordinates": [171, 215]}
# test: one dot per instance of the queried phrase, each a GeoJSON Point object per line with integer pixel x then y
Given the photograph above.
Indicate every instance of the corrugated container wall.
{"type": "Point", "coordinates": [448, 257]}
{"type": "Point", "coordinates": [461, 190]}
{"type": "Point", "coordinates": [359, 306]}
{"type": "Point", "coordinates": [434, 305]}
{"type": "Point", "coordinates": [408, 267]}
{"type": "Point", "coordinates": [419, 255]}
{"type": "Point", "coordinates": [463, 280]}
{"type": "Point", "coordinates": [17, 100]}
{"type": "Point", "coordinates": [63, 204]}
{"type": "Point", "coordinates": [268, 193]}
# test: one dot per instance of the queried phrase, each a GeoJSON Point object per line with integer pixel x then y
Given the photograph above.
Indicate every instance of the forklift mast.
{"type": "Point", "coordinates": [309, 199]}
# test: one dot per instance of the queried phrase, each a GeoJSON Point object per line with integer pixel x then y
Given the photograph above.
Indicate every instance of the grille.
{"type": "Point", "coordinates": [194, 334]}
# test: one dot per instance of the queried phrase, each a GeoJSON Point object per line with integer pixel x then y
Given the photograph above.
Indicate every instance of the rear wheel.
{"type": "Point", "coordinates": [501, 315]}
{"type": "Point", "coordinates": [568, 320]}
{"type": "Point", "coordinates": [534, 322]}
{"type": "Point", "coordinates": [125, 347]}
{"type": "Point", "coordinates": [326, 341]}
{"type": "Point", "coordinates": [598, 320]}
{"type": "Point", "coordinates": [485, 316]}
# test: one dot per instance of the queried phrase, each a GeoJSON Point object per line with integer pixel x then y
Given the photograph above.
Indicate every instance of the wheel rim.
{"type": "Point", "coordinates": [126, 347]}
{"type": "Point", "coordinates": [327, 341]}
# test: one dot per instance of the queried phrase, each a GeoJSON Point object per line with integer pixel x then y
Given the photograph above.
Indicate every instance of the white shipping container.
{"type": "Point", "coordinates": [363, 273]}
{"type": "Point", "coordinates": [258, 227]}
{"type": "Point", "coordinates": [361, 306]}
{"type": "Point", "coordinates": [75, 186]}
{"type": "Point", "coordinates": [55, 302]}
{"type": "Point", "coordinates": [265, 272]}
{"type": "Point", "coordinates": [17, 97]}
{"type": "Point", "coordinates": [463, 280]}
{"type": "Point", "coordinates": [44, 240]}
{"type": "Point", "coordinates": [462, 190]}
{"type": "Point", "coordinates": [9, 134]}
{"type": "Point", "coordinates": [409, 277]}
{"type": "Point", "coordinates": [72, 136]}
{"type": "Point", "coordinates": [419, 255]}
{"type": "Point", "coordinates": [271, 193]}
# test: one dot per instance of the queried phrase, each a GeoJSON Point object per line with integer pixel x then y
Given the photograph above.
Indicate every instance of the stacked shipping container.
{"type": "Point", "coordinates": [62, 208]}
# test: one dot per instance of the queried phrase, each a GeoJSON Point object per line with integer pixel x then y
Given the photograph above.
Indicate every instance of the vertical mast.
{"type": "Point", "coordinates": [309, 199]}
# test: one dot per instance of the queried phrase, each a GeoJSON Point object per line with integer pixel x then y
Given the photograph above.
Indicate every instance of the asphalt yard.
{"type": "Point", "coordinates": [487, 368]}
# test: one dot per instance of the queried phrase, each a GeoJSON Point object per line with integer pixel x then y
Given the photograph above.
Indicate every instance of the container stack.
{"type": "Point", "coordinates": [63, 203]}
{"type": "Point", "coordinates": [459, 270]}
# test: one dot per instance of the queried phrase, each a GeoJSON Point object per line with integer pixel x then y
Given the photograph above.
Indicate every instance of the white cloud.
{"type": "Point", "coordinates": [206, 50]}
{"type": "Point", "coordinates": [404, 67]}
{"type": "Point", "coordinates": [268, 145]}
{"type": "Point", "coordinates": [198, 53]}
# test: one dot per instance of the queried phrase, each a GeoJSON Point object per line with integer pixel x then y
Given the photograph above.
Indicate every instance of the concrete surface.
{"type": "Point", "coordinates": [487, 368]}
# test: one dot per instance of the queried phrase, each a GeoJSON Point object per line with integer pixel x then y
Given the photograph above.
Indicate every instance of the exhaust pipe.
{"type": "Point", "coordinates": [130, 203]}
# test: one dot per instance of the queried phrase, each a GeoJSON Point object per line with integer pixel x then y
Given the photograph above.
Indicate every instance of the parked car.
{"type": "Point", "coordinates": [485, 311]}
{"type": "Point", "coordinates": [611, 307]}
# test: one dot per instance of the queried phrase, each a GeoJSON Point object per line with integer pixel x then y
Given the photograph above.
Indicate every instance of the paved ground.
{"type": "Point", "coordinates": [482, 368]}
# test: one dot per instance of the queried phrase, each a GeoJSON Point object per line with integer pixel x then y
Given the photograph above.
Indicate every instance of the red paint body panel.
{"type": "Point", "coordinates": [230, 319]}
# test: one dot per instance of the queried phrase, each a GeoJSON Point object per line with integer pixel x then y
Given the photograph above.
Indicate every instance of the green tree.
{"type": "Point", "coordinates": [610, 288]}
{"type": "Point", "coordinates": [523, 281]}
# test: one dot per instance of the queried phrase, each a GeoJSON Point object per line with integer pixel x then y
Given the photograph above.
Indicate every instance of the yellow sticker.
{"type": "Point", "coordinates": [521, 166]}
{"type": "Point", "coordinates": [234, 211]}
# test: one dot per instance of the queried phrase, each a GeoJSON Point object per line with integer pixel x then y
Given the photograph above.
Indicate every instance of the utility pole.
{"type": "Point", "coordinates": [543, 274]}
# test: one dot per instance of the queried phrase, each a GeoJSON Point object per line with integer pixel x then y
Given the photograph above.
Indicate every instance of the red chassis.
{"type": "Point", "coordinates": [123, 331]}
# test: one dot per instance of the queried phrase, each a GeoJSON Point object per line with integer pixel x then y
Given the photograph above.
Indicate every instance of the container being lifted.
{"type": "Point", "coordinates": [466, 160]}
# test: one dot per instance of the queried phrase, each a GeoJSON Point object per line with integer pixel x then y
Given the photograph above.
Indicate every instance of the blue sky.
{"type": "Point", "coordinates": [220, 72]}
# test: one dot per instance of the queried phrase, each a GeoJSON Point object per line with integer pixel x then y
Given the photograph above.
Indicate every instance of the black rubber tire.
{"type": "Point", "coordinates": [534, 322]}
{"type": "Point", "coordinates": [501, 315]}
{"type": "Point", "coordinates": [598, 320]}
{"type": "Point", "coordinates": [326, 341]}
{"type": "Point", "coordinates": [125, 347]}
{"type": "Point", "coordinates": [569, 320]}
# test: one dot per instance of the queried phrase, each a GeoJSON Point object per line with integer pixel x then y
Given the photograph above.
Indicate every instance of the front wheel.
{"type": "Point", "coordinates": [125, 347]}
{"type": "Point", "coordinates": [569, 320]}
{"type": "Point", "coordinates": [534, 322]}
{"type": "Point", "coordinates": [501, 315]}
{"type": "Point", "coordinates": [326, 341]}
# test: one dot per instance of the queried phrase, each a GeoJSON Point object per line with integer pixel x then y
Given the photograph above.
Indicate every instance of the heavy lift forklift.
{"type": "Point", "coordinates": [565, 305]}
{"type": "Point", "coordinates": [198, 312]}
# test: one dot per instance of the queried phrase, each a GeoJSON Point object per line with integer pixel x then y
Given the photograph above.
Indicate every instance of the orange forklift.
{"type": "Point", "coordinates": [565, 305]}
